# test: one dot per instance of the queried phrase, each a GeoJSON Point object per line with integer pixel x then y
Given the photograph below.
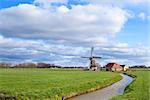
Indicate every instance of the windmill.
{"type": "Point", "coordinates": [93, 64]}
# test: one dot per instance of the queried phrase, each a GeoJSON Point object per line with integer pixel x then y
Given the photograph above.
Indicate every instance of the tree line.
{"type": "Point", "coordinates": [28, 65]}
{"type": "Point", "coordinates": [34, 65]}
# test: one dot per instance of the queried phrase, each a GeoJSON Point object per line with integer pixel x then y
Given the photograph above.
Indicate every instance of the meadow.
{"type": "Point", "coordinates": [139, 89]}
{"type": "Point", "coordinates": [51, 84]}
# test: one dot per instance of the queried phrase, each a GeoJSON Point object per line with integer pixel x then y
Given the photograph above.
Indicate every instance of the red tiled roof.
{"type": "Point", "coordinates": [110, 65]}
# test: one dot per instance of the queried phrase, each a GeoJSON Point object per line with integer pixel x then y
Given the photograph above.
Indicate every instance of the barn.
{"type": "Point", "coordinates": [113, 67]}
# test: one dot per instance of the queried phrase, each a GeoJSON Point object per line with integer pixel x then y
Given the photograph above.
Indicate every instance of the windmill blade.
{"type": "Point", "coordinates": [97, 57]}
{"type": "Point", "coordinates": [85, 57]}
{"type": "Point", "coordinates": [92, 48]}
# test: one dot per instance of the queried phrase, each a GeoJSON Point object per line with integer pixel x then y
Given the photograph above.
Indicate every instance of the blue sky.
{"type": "Point", "coordinates": [135, 31]}
{"type": "Point", "coordinates": [10, 3]}
{"type": "Point", "coordinates": [116, 30]}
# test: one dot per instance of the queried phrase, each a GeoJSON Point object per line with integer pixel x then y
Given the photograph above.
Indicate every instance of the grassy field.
{"type": "Point", "coordinates": [51, 84]}
{"type": "Point", "coordinates": [139, 89]}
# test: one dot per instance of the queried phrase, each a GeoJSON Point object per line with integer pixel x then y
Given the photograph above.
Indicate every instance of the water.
{"type": "Point", "coordinates": [108, 92]}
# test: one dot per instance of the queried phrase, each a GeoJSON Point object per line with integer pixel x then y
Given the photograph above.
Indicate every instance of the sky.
{"type": "Point", "coordinates": [61, 31]}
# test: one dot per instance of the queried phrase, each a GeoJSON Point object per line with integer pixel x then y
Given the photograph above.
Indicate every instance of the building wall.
{"type": "Point", "coordinates": [94, 68]}
{"type": "Point", "coordinates": [126, 68]}
{"type": "Point", "coordinates": [116, 67]}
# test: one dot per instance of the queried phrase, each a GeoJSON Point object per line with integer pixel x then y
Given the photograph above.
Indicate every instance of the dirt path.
{"type": "Point", "coordinates": [108, 92]}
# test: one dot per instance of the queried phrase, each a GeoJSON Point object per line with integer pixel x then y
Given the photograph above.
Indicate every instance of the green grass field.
{"type": "Point", "coordinates": [51, 84]}
{"type": "Point", "coordinates": [139, 89]}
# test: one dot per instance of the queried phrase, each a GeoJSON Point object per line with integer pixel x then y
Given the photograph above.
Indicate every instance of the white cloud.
{"type": "Point", "coordinates": [81, 23]}
{"type": "Point", "coordinates": [48, 3]}
{"type": "Point", "coordinates": [44, 51]}
{"type": "Point", "coordinates": [119, 2]}
{"type": "Point", "coordinates": [61, 35]}
{"type": "Point", "coordinates": [16, 43]}
{"type": "Point", "coordinates": [142, 15]}
{"type": "Point", "coordinates": [63, 9]}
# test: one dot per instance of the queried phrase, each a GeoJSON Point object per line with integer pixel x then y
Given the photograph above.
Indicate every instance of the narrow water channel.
{"type": "Point", "coordinates": [108, 92]}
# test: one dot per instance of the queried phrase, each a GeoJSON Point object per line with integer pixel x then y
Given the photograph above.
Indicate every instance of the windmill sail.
{"type": "Point", "coordinates": [97, 57]}
{"type": "Point", "coordinates": [93, 64]}
{"type": "Point", "coordinates": [92, 51]}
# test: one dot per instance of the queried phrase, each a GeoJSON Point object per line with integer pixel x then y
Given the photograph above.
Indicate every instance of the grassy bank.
{"type": "Point", "coordinates": [51, 84]}
{"type": "Point", "coordinates": [139, 89]}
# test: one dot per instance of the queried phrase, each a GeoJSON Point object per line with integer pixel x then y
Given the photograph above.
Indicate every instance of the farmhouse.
{"type": "Point", "coordinates": [125, 67]}
{"type": "Point", "coordinates": [113, 67]}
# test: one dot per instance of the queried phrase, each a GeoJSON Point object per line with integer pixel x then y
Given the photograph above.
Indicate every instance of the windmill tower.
{"type": "Point", "coordinates": [93, 65]}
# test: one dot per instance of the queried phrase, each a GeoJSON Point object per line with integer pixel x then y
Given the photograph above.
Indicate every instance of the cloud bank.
{"type": "Point", "coordinates": [50, 31]}
{"type": "Point", "coordinates": [81, 23]}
